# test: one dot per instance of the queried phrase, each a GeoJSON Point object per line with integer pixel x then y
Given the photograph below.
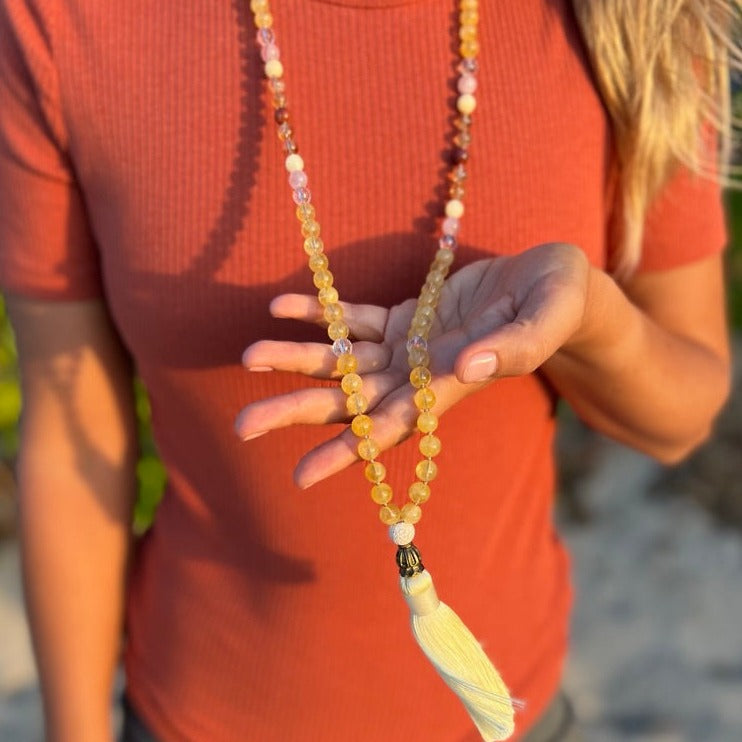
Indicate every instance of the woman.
{"type": "Point", "coordinates": [146, 219]}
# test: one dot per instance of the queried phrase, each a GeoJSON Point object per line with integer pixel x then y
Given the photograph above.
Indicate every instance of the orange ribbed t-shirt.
{"type": "Point", "coordinates": [138, 163]}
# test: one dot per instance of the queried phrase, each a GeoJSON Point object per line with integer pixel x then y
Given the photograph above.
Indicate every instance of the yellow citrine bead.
{"type": "Point", "coordinates": [356, 404]}
{"type": "Point", "coordinates": [430, 445]}
{"type": "Point", "coordinates": [469, 17]}
{"type": "Point", "coordinates": [427, 422]}
{"type": "Point", "coordinates": [420, 377]}
{"type": "Point", "coordinates": [381, 494]}
{"type": "Point", "coordinates": [418, 357]}
{"type": "Point", "coordinates": [444, 257]}
{"type": "Point", "coordinates": [426, 470]}
{"type": "Point", "coordinates": [333, 312]}
{"type": "Point", "coordinates": [263, 19]}
{"type": "Point", "coordinates": [328, 295]}
{"type": "Point", "coordinates": [337, 330]}
{"type": "Point", "coordinates": [467, 32]}
{"type": "Point", "coordinates": [362, 424]}
{"type": "Point", "coordinates": [375, 471]}
{"type": "Point", "coordinates": [466, 103]}
{"type": "Point", "coordinates": [411, 513]}
{"type": "Point", "coordinates": [318, 262]}
{"type": "Point", "coordinates": [347, 363]}
{"type": "Point", "coordinates": [313, 245]}
{"type": "Point", "coordinates": [305, 212]}
{"type": "Point", "coordinates": [323, 279]}
{"type": "Point", "coordinates": [350, 384]}
{"type": "Point", "coordinates": [424, 399]}
{"type": "Point", "coordinates": [419, 492]}
{"type": "Point", "coordinates": [469, 49]}
{"type": "Point", "coordinates": [310, 228]}
{"type": "Point", "coordinates": [389, 514]}
{"type": "Point", "coordinates": [368, 449]}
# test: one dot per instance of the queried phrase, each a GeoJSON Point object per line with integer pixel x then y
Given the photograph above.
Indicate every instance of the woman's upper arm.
{"type": "Point", "coordinates": [76, 386]}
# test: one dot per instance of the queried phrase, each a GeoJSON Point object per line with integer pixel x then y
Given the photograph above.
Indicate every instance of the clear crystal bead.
{"type": "Point", "coordinates": [447, 242]}
{"type": "Point", "coordinates": [417, 342]}
{"type": "Point", "coordinates": [342, 346]}
{"type": "Point", "coordinates": [302, 195]}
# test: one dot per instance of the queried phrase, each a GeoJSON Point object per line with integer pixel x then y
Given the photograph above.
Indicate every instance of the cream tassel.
{"type": "Point", "coordinates": [453, 650]}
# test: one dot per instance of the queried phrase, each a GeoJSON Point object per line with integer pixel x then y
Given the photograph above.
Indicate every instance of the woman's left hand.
{"type": "Point", "coordinates": [502, 316]}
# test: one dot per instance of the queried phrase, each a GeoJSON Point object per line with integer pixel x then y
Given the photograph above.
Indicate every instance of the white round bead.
{"type": "Point", "coordinates": [466, 103]}
{"type": "Point", "coordinates": [455, 208]}
{"type": "Point", "coordinates": [402, 533]}
{"type": "Point", "coordinates": [294, 162]}
{"type": "Point", "coordinates": [273, 68]}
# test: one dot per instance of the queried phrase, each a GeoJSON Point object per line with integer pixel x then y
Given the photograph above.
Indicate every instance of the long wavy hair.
{"type": "Point", "coordinates": [663, 69]}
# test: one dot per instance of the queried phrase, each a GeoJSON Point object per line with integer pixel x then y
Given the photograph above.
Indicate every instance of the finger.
{"type": "Point", "coordinates": [312, 359]}
{"type": "Point", "coordinates": [393, 422]}
{"type": "Point", "coordinates": [307, 407]}
{"type": "Point", "coordinates": [366, 321]}
{"type": "Point", "coordinates": [519, 347]}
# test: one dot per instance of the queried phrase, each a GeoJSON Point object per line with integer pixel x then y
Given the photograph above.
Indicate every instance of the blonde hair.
{"type": "Point", "coordinates": [662, 67]}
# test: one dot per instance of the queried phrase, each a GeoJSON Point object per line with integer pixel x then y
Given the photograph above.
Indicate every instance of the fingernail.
{"type": "Point", "coordinates": [259, 368]}
{"type": "Point", "coordinates": [254, 435]}
{"type": "Point", "coordinates": [480, 367]}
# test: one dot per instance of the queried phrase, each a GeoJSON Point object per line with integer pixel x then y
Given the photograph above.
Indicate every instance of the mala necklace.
{"type": "Point", "coordinates": [445, 640]}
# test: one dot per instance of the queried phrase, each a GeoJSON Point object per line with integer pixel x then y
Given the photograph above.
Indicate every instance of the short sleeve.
{"type": "Point", "coordinates": [46, 247]}
{"type": "Point", "coordinates": [685, 223]}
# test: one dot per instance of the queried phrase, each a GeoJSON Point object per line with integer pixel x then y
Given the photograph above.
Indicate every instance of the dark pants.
{"type": "Point", "coordinates": [556, 725]}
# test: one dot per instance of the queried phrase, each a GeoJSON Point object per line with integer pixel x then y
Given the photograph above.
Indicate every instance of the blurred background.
{"type": "Point", "coordinates": [657, 560]}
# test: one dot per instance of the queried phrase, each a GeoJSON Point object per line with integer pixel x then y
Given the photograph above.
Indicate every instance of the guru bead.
{"type": "Point", "coordinates": [402, 533]}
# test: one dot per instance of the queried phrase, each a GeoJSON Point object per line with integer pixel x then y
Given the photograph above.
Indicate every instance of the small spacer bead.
{"type": "Point", "coordinates": [381, 493]}
{"type": "Point", "coordinates": [466, 103]}
{"type": "Point", "coordinates": [281, 115]}
{"type": "Point", "coordinates": [273, 68]}
{"type": "Point", "coordinates": [375, 472]}
{"type": "Point", "coordinates": [454, 208]}
{"type": "Point", "coordinates": [402, 533]}
{"type": "Point", "coordinates": [294, 162]}
{"type": "Point", "coordinates": [411, 513]}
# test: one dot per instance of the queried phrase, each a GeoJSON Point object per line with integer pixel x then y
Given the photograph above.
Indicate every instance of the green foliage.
{"type": "Point", "coordinates": [733, 200]}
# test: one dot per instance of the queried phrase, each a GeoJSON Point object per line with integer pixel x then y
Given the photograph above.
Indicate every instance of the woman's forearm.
{"type": "Point", "coordinates": [653, 382]}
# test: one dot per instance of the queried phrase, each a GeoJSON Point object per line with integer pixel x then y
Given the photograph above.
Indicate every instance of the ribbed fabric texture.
{"type": "Point", "coordinates": [137, 163]}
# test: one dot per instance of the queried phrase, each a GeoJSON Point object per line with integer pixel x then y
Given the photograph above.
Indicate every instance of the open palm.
{"type": "Point", "coordinates": [498, 317]}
